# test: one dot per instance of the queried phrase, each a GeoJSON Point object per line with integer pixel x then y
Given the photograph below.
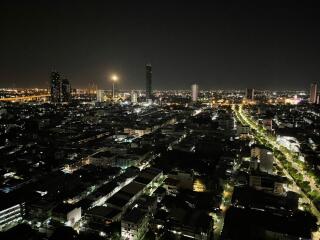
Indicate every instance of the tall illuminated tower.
{"type": "Point", "coordinates": [148, 81]}
{"type": "Point", "coordinates": [194, 92]}
{"type": "Point", "coordinates": [55, 82]}
{"type": "Point", "coordinates": [313, 93]}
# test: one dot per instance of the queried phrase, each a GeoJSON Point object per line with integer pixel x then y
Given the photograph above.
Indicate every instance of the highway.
{"type": "Point", "coordinates": [24, 98]}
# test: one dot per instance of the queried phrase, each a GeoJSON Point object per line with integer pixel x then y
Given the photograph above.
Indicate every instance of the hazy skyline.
{"type": "Point", "coordinates": [215, 45]}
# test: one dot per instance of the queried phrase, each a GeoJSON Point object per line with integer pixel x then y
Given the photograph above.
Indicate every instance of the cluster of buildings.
{"type": "Point", "coordinates": [169, 170]}
{"type": "Point", "coordinates": [148, 97]}
{"type": "Point", "coordinates": [104, 95]}
{"type": "Point", "coordinates": [132, 205]}
{"type": "Point", "coordinates": [85, 165]}
{"type": "Point", "coordinates": [251, 96]}
{"type": "Point", "coordinates": [263, 196]}
{"type": "Point", "coordinates": [294, 127]}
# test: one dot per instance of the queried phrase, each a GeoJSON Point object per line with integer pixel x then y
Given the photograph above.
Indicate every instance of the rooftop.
{"type": "Point", "coordinates": [134, 216]}
{"type": "Point", "coordinates": [101, 211]}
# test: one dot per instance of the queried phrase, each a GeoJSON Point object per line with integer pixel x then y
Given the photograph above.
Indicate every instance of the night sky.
{"type": "Point", "coordinates": [230, 45]}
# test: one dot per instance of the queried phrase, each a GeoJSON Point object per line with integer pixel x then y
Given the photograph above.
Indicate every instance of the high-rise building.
{"type": "Point", "coordinates": [134, 97]}
{"type": "Point", "coordinates": [55, 81]}
{"type": "Point", "coordinates": [148, 81]}
{"type": "Point", "coordinates": [65, 90]}
{"type": "Point", "coordinates": [100, 95]}
{"type": "Point", "coordinates": [250, 94]}
{"type": "Point", "coordinates": [194, 92]}
{"type": "Point", "coordinates": [60, 88]}
{"type": "Point", "coordinates": [313, 93]}
{"type": "Point", "coordinates": [92, 87]}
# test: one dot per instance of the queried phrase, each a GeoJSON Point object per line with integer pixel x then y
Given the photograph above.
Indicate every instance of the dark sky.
{"type": "Point", "coordinates": [218, 45]}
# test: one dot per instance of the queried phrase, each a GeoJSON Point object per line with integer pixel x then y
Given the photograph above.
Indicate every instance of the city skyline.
{"type": "Point", "coordinates": [159, 120]}
{"type": "Point", "coordinates": [149, 85]}
{"type": "Point", "coordinates": [218, 46]}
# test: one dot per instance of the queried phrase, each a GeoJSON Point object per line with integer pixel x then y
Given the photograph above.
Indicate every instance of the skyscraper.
{"type": "Point", "coordinates": [250, 94]}
{"type": "Point", "coordinates": [148, 81]}
{"type": "Point", "coordinates": [60, 88]}
{"type": "Point", "coordinates": [100, 95]}
{"type": "Point", "coordinates": [65, 90]}
{"type": "Point", "coordinates": [55, 87]}
{"type": "Point", "coordinates": [194, 92]}
{"type": "Point", "coordinates": [134, 97]}
{"type": "Point", "coordinates": [313, 93]}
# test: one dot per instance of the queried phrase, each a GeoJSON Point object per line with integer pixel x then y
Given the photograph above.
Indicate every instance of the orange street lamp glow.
{"type": "Point", "coordinates": [114, 78]}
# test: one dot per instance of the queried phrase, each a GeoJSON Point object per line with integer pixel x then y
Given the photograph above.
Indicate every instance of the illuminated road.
{"type": "Point", "coordinates": [25, 98]}
{"type": "Point", "coordinates": [218, 218]}
{"type": "Point", "coordinates": [264, 137]}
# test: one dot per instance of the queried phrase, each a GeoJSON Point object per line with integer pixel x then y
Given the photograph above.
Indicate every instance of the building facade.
{"type": "Point", "coordinates": [101, 95]}
{"type": "Point", "coordinates": [148, 81]}
{"type": "Point", "coordinates": [250, 94]}
{"type": "Point", "coordinates": [262, 158]}
{"type": "Point", "coordinates": [194, 92]}
{"type": "Point", "coordinates": [313, 93]}
{"type": "Point", "coordinates": [134, 97]}
{"type": "Point", "coordinates": [65, 90]}
{"type": "Point", "coordinates": [55, 80]}
{"type": "Point", "coordinates": [60, 88]}
{"type": "Point", "coordinates": [11, 216]}
{"type": "Point", "coordinates": [134, 224]}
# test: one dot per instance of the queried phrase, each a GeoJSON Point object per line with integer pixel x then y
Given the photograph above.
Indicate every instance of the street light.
{"type": "Point", "coordinates": [114, 79]}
